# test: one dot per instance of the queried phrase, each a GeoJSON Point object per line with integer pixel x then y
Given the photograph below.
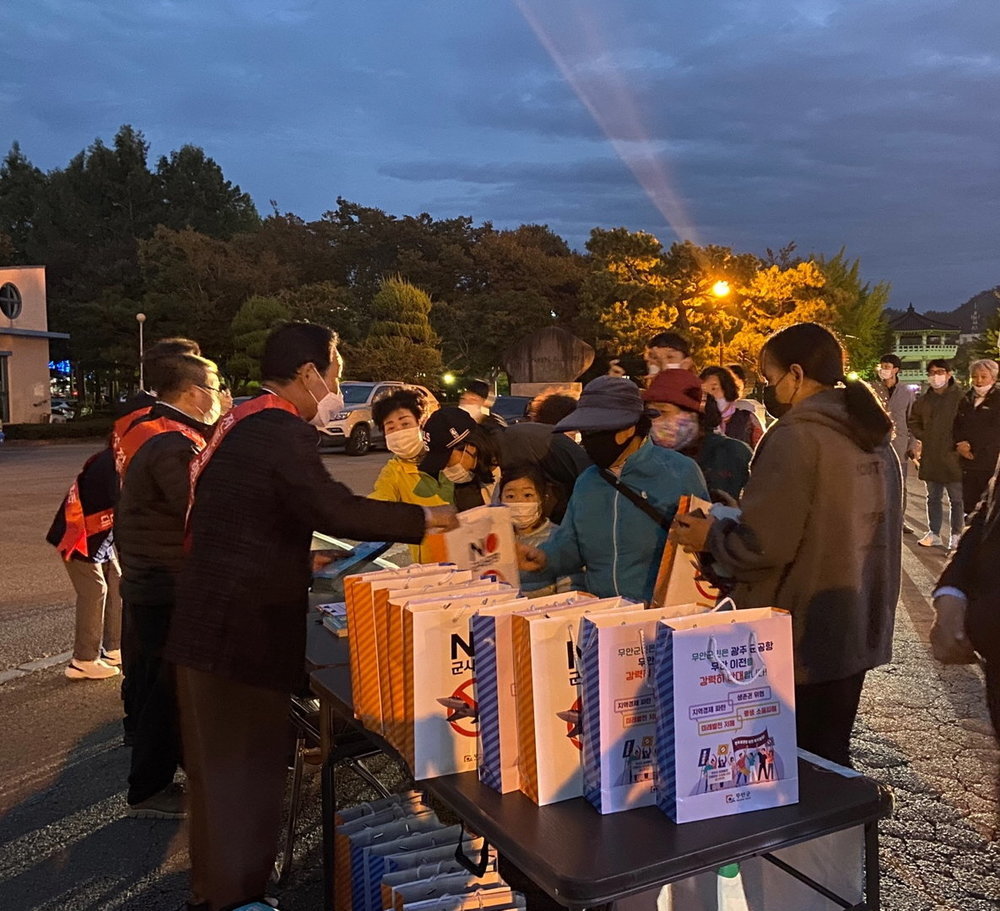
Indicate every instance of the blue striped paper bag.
{"type": "Point", "coordinates": [725, 693]}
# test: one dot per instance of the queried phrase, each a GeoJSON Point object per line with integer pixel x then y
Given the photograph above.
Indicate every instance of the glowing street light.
{"type": "Point", "coordinates": [448, 379]}
{"type": "Point", "coordinates": [721, 289]}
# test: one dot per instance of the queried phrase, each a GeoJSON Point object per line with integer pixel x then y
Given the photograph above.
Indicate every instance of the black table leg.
{"type": "Point", "coordinates": [873, 884]}
{"type": "Point", "coordinates": [329, 808]}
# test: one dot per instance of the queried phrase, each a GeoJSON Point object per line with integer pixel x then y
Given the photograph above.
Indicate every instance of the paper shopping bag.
{"type": "Point", "coordinates": [375, 858]}
{"type": "Point", "coordinates": [679, 582]}
{"type": "Point", "coordinates": [546, 679]}
{"type": "Point", "coordinates": [494, 650]}
{"type": "Point", "coordinates": [496, 898]}
{"type": "Point", "coordinates": [484, 542]}
{"type": "Point", "coordinates": [440, 718]}
{"type": "Point", "coordinates": [725, 692]}
{"type": "Point", "coordinates": [360, 596]}
{"type": "Point", "coordinates": [362, 842]}
{"type": "Point", "coordinates": [618, 709]}
{"type": "Point", "coordinates": [398, 721]}
{"type": "Point", "coordinates": [442, 885]}
{"type": "Point", "coordinates": [479, 592]}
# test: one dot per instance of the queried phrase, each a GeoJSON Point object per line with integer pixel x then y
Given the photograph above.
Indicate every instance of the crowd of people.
{"type": "Point", "coordinates": [187, 539]}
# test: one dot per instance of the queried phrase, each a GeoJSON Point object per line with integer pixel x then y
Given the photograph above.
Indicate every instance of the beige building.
{"type": "Point", "coordinates": [24, 345]}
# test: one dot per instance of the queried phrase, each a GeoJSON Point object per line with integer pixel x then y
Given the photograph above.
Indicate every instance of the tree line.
{"type": "Point", "coordinates": [410, 295]}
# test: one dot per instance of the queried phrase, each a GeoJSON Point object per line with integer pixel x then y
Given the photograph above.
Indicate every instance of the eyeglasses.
{"type": "Point", "coordinates": [209, 388]}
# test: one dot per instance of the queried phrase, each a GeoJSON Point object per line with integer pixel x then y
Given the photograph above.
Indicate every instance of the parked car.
{"type": "Point", "coordinates": [354, 428]}
{"type": "Point", "coordinates": [60, 410]}
{"type": "Point", "coordinates": [512, 408]}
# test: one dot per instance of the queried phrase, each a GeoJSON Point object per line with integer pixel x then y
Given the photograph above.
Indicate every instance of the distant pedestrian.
{"type": "Point", "coordinates": [742, 383]}
{"type": "Point", "coordinates": [932, 420]}
{"type": "Point", "coordinates": [476, 399]}
{"type": "Point", "coordinates": [83, 533]}
{"type": "Point", "coordinates": [897, 398]}
{"type": "Point", "coordinates": [976, 431]}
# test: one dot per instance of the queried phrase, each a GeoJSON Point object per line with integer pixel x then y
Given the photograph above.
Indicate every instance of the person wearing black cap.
{"type": "Point", "coordinates": [461, 452]}
{"type": "Point", "coordinates": [606, 532]}
{"type": "Point", "coordinates": [668, 351]}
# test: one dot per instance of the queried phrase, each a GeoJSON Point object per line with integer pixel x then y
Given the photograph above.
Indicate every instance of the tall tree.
{"type": "Point", "coordinates": [256, 317]}
{"type": "Point", "coordinates": [21, 189]}
{"type": "Point", "coordinates": [401, 344]}
{"type": "Point", "coordinates": [196, 195]}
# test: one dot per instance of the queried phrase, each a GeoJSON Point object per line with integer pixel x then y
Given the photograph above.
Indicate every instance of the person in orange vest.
{"type": "Point", "coordinates": [139, 405]}
{"type": "Point", "coordinates": [83, 534]}
{"type": "Point", "coordinates": [153, 460]}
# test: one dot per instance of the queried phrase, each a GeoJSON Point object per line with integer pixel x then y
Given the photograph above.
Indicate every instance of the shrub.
{"type": "Point", "coordinates": [81, 429]}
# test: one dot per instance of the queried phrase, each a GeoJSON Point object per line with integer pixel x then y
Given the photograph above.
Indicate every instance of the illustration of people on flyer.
{"type": "Point", "coordinates": [738, 762]}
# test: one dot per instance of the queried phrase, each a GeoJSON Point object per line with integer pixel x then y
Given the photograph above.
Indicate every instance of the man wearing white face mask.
{"type": "Point", "coordinates": [237, 638]}
{"type": "Point", "coordinates": [400, 416]}
{"type": "Point", "coordinates": [931, 421]}
{"type": "Point", "coordinates": [155, 456]}
{"type": "Point", "coordinates": [667, 351]}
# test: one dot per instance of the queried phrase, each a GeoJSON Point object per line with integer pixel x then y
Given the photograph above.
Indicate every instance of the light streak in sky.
{"type": "Point", "coordinates": [611, 102]}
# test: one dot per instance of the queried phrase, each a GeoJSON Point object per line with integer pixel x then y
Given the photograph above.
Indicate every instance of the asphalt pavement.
{"type": "Point", "coordinates": [923, 730]}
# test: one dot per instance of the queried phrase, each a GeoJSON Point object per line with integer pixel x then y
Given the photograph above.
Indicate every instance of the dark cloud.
{"type": "Point", "coordinates": [867, 124]}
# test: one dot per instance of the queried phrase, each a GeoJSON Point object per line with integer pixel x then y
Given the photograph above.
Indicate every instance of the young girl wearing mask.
{"type": "Point", "coordinates": [400, 417]}
{"type": "Point", "coordinates": [722, 386]}
{"type": "Point", "coordinates": [461, 452]}
{"type": "Point", "coordinates": [524, 492]}
{"type": "Point", "coordinates": [687, 426]}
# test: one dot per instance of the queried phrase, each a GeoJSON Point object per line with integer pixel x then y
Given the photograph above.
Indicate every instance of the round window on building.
{"type": "Point", "coordinates": [10, 301]}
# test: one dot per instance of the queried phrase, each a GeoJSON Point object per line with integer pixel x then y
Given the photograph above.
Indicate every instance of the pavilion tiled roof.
{"type": "Point", "coordinates": [911, 321]}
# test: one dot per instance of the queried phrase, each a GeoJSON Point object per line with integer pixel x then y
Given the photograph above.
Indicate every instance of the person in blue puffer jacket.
{"type": "Point", "coordinates": [605, 533]}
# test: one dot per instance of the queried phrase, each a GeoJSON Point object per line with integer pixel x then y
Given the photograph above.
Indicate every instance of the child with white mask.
{"type": "Point", "coordinates": [524, 491]}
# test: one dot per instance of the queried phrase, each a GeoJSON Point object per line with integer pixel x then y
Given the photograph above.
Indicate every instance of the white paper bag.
{"type": "Point", "coordinates": [546, 679]}
{"type": "Point", "coordinates": [485, 543]}
{"type": "Point", "coordinates": [494, 649]}
{"type": "Point", "coordinates": [725, 737]}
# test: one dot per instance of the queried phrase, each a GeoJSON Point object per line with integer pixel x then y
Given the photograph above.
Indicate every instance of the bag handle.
{"type": "Point", "coordinates": [658, 517]}
{"type": "Point", "coordinates": [726, 672]}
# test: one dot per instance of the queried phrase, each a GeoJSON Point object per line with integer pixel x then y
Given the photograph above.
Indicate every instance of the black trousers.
{"type": "Point", "coordinates": [824, 716]}
{"type": "Point", "coordinates": [236, 760]}
{"type": "Point", "coordinates": [150, 702]}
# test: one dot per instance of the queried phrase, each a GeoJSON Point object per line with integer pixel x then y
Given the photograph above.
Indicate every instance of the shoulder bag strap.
{"type": "Point", "coordinates": [658, 517]}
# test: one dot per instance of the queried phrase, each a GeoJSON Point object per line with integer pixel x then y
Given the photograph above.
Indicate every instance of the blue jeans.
{"type": "Point", "coordinates": [935, 491]}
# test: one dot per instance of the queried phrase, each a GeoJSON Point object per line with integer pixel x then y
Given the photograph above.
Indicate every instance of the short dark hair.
{"type": "Point", "coordinates": [728, 382]}
{"type": "Point", "coordinates": [291, 345]}
{"type": "Point", "coordinates": [479, 387]}
{"type": "Point", "coordinates": [405, 399]}
{"type": "Point", "coordinates": [552, 408]}
{"type": "Point", "coordinates": [891, 359]}
{"type": "Point", "coordinates": [154, 355]}
{"type": "Point", "coordinates": [939, 362]}
{"type": "Point", "coordinates": [670, 340]}
{"type": "Point", "coordinates": [181, 371]}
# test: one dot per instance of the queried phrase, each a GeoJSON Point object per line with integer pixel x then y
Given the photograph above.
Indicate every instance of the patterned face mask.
{"type": "Point", "coordinates": [675, 432]}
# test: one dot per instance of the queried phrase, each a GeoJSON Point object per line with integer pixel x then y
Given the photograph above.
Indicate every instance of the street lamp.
{"type": "Point", "coordinates": [140, 318]}
{"type": "Point", "coordinates": [721, 289]}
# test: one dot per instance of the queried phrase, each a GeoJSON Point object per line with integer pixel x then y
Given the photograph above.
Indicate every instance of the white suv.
{"type": "Point", "coordinates": [354, 428]}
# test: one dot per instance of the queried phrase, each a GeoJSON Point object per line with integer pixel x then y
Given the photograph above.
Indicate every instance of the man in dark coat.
{"type": "Point", "coordinates": [154, 458]}
{"type": "Point", "coordinates": [238, 634]}
{"type": "Point", "coordinates": [931, 420]}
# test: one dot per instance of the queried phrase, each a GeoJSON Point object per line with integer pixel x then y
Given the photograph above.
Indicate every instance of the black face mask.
{"type": "Point", "coordinates": [602, 447]}
{"type": "Point", "coordinates": [770, 399]}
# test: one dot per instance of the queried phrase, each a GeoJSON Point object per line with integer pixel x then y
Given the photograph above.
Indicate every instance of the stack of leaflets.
{"type": "Point", "coordinates": [334, 616]}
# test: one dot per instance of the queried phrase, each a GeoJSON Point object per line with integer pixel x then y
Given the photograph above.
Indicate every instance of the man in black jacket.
{"type": "Point", "coordinates": [967, 600]}
{"type": "Point", "coordinates": [156, 453]}
{"type": "Point", "coordinates": [238, 634]}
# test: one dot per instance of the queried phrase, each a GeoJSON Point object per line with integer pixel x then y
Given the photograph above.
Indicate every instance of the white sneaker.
{"type": "Point", "coordinates": [953, 542]}
{"type": "Point", "coordinates": [90, 670]}
{"type": "Point", "coordinates": [930, 540]}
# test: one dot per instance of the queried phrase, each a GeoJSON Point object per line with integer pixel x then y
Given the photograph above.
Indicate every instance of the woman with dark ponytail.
{"type": "Point", "coordinates": [820, 530]}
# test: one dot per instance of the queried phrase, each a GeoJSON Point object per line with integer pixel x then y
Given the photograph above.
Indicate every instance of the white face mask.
{"type": "Point", "coordinates": [457, 474]}
{"type": "Point", "coordinates": [407, 443]}
{"type": "Point", "coordinates": [327, 407]}
{"type": "Point", "coordinates": [722, 402]}
{"type": "Point", "coordinates": [938, 382]}
{"type": "Point", "coordinates": [652, 369]}
{"type": "Point", "coordinates": [982, 390]}
{"type": "Point", "coordinates": [887, 373]}
{"type": "Point", "coordinates": [474, 411]}
{"type": "Point", "coordinates": [671, 366]}
{"type": "Point", "coordinates": [214, 412]}
{"type": "Point", "coordinates": [524, 515]}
